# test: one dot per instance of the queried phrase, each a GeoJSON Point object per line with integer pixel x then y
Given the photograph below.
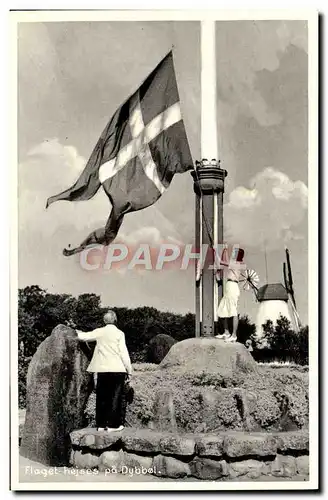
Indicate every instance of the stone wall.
{"type": "Point", "coordinates": [227, 456]}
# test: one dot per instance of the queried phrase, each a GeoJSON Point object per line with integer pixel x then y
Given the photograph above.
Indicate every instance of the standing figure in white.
{"type": "Point", "coordinates": [111, 362]}
{"type": "Point", "coordinates": [228, 306]}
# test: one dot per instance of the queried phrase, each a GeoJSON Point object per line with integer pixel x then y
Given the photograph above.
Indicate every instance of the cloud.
{"type": "Point", "coordinates": [51, 167]}
{"type": "Point", "coordinates": [52, 149]}
{"type": "Point", "coordinates": [267, 215]}
{"type": "Point", "coordinates": [48, 169]}
{"type": "Point", "coordinates": [241, 57]}
{"type": "Point", "coordinates": [150, 235]}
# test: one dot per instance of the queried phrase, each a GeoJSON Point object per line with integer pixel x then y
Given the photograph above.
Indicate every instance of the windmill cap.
{"type": "Point", "coordinates": [272, 291]}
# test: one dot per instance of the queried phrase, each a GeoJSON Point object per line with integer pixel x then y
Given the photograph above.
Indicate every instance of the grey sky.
{"type": "Point", "coordinates": [73, 76]}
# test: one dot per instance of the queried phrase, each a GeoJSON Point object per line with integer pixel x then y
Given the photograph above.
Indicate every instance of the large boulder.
{"type": "Point", "coordinates": [58, 387]}
{"type": "Point", "coordinates": [210, 355]}
{"type": "Point", "coordinates": [159, 346]}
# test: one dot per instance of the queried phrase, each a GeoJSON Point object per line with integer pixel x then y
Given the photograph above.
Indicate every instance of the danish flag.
{"type": "Point", "coordinates": [142, 147]}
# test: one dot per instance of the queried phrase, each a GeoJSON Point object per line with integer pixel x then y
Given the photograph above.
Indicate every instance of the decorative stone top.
{"type": "Point", "coordinates": [208, 163]}
{"type": "Point", "coordinates": [208, 177]}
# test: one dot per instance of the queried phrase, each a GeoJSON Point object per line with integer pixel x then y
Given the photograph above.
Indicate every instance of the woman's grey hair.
{"type": "Point", "coordinates": [110, 318]}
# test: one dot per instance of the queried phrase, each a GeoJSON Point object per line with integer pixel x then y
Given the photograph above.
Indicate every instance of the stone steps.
{"type": "Point", "coordinates": [224, 456]}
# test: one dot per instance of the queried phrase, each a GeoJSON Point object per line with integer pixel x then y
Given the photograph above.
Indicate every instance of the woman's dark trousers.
{"type": "Point", "coordinates": [109, 399]}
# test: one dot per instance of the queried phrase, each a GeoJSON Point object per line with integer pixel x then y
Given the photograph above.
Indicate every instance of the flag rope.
{"type": "Point", "coordinates": [209, 234]}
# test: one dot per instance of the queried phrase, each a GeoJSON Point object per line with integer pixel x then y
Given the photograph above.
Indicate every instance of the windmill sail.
{"type": "Point", "coordinates": [288, 278]}
{"type": "Point", "coordinates": [285, 276]}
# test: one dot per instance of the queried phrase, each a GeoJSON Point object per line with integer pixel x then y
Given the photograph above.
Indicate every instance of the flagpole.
{"type": "Point", "coordinates": [209, 141]}
{"type": "Point", "coordinates": [209, 187]}
{"type": "Point", "coordinates": [209, 124]}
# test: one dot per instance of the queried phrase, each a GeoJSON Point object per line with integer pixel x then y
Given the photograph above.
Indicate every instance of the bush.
{"type": "Point", "coordinates": [139, 356]}
{"type": "Point", "coordinates": [204, 379]}
{"type": "Point", "coordinates": [39, 312]}
{"type": "Point", "coordinates": [144, 367]}
{"type": "Point", "coordinates": [159, 346]}
{"type": "Point", "coordinates": [266, 410]}
{"type": "Point", "coordinates": [210, 403]}
{"type": "Point", "coordinates": [283, 343]}
{"type": "Point", "coordinates": [246, 330]}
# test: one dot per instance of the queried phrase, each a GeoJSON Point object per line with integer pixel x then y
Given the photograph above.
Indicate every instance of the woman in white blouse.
{"type": "Point", "coordinates": [111, 362]}
{"type": "Point", "coordinates": [228, 307]}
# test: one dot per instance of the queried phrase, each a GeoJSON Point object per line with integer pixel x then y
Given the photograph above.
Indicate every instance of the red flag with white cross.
{"type": "Point", "coordinates": [137, 155]}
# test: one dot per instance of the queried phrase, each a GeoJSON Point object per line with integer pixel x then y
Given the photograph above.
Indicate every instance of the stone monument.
{"type": "Point", "coordinates": [58, 387]}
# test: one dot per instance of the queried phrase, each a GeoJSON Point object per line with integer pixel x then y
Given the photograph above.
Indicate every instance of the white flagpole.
{"type": "Point", "coordinates": [216, 240]}
{"type": "Point", "coordinates": [209, 141]}
{"type": "Point", "coordinates": [209, 186]}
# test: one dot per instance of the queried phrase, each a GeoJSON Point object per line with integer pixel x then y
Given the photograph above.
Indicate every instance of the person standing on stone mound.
{"type": "Point", "coordinates": [228, 307]}
{"type": "Point", "coordinates": [111, 362]}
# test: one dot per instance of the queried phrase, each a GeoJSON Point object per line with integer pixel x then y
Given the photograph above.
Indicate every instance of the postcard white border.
{"type": "Point", "coordinates": [311, 16]}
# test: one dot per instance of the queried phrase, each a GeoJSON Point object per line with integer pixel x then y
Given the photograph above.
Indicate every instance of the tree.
{"type": "Point", "coordinates": [280, 338]}
{"type": "Point", "coordinates": [38, 314]}
{"type": "Point", "coordinates": [88, 312]}
{"type": "Point", "coordinates": [246, 330]}
{"type": "Point", "coordinates": [284, 343]}
{"type": "Point", "coordinates": [30, 299]}
{"type": "Point", "coordinates": [303, 346]}
{"type": "Point", "coordinates": [140, 325]}
{"type": "Point", "coordinates": [268, 330]}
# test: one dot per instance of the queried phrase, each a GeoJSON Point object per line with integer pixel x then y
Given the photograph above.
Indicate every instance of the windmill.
{"type": "Point", "coordinates": [250, 279]}
{"type": "Point", "coordinates": [288, 280]}
{"type": "Point", "coordinates": [274, 299]}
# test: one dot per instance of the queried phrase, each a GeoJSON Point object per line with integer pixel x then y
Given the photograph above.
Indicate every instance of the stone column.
{"type": "Point", "coordinates": [209, 187]}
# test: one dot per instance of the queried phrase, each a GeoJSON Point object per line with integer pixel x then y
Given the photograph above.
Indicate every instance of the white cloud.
{"type": "Point", "coordinates": [52, 149]}
{"type": "Point", "coordinates": [259, 48]}
{"type": "Point", "coordinates": [50, 168]}
{"type": "Point", "coordinates": [151, 235]}
{"type": "Point", "coordinates": [269, 213]}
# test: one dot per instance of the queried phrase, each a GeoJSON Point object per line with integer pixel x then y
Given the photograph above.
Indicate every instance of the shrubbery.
{"type": "Point", "coordinates": [205, 403]}
{"type": "Point", "coordinates": [39, 312]}
{"type": "Point", "coordinates": [159, 346]}
{"type": "Point", "coordinates": [283, 344]}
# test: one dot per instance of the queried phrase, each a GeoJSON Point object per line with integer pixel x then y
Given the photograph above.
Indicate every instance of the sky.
{"type": "Point", "coordinates": [72, 76]}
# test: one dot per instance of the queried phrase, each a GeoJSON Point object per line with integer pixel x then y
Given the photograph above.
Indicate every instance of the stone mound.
{"type": "Point", "coordinates": [210, 355]}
